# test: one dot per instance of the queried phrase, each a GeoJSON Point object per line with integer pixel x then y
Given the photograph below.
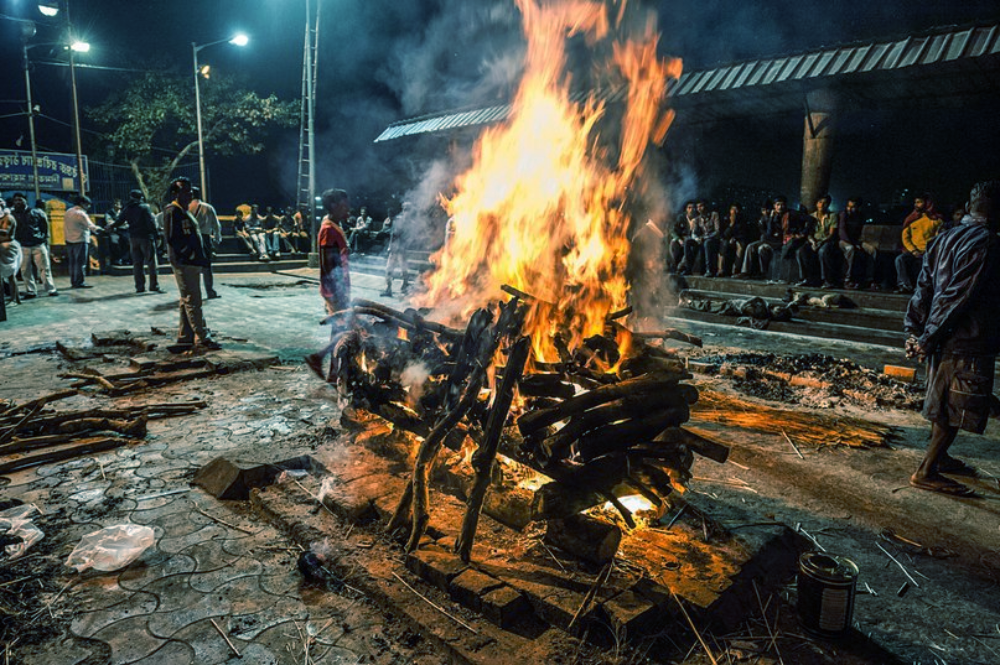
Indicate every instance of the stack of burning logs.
{"type": "Point", "coordinates": [31, 434]}
{"type": "Point", "coordinates": [600, 426]}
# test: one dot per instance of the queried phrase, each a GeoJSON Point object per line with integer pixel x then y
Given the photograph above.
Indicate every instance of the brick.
{"type": "Point", "coordinates": [435, 566]}
{"type": "Point", "coordinates": [907, 374]}
{"type": "Point", "coordinates": [470, 586]}
{"type": "Point", "coordinates": [629, 614]}
{"type": "Point", "coordinates": [505, 607]}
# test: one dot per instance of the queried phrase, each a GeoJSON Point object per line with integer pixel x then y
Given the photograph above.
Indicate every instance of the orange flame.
{"type": "Point", "coordinates": [542, 208]}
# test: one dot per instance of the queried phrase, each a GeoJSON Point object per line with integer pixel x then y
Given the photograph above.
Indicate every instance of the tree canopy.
{"type": "Point", "coordinates": [151, 123]}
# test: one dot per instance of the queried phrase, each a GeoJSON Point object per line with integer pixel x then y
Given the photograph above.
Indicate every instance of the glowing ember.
{"type": "Point", "coordinates": [544, 207]}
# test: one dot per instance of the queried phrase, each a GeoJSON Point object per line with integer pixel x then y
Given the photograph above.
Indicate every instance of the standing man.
{"type": "Point", "coordinates": [143, 234]}
{"type": "Point", "coordinates": [334, 270]}
{"type": "Point", "coordinates": [77, 228]}
{"type": "Point", "coordinates": [32, 231]}
{"type": "Point", "coordinates": [951, 321]}
{"type": "Point", "coordinates": [397, 253]}
{"type": "Point", "coordinates": [211, 236]}
{"type": "Point", "coordinates": [187, 258]}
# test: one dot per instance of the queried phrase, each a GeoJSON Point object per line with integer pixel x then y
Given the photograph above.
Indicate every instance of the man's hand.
{"type": "Point", "coordinates": [914, 350]}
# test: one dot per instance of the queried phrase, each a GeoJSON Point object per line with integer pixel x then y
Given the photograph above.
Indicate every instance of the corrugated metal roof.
{"type": "Point", "coordinates": [770, 77]}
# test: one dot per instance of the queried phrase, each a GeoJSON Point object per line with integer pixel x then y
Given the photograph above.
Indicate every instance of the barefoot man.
{"type": "Point", "coordinates": [952, 322]}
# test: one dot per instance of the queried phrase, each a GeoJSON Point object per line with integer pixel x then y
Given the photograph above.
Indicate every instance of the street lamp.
{"type": "Point", "coordinates": [238, 39]}
{"type": "Point", "coordinates": [76, 46]}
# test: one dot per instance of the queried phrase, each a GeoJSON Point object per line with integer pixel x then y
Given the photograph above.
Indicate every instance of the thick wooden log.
{"type": "Point", "coordinates": [409, 320]}
{"type": "Point", "coordinates": [620, 436]}
{"type": "Point", "coordinates": [549, 384]}
{"type": "Point", "coordinates": [695, 441]}
{"type": "Point", "coordinates": [558, 500]}
{"type": "Point", "coordinates": [558, 445]}
{"type": "Point", "coordinates": [585, 537]}
{"type": "Point", "coordinates": [82, 447]}
{"type": "Point", "coordinates": [135, 429]}
{"type": "Point", "coordinates": [531, 422]}
{"type": "Point", "coordinates": [482, 459]}
{"type": "Point", "coordinates": [34, 442]}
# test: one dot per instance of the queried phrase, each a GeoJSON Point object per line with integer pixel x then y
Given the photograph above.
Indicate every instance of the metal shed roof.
{"type": "Point", "coordinates": [943, 63]}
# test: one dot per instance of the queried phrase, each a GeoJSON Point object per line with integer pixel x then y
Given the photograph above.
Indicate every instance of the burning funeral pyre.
{"type": "Point", "coordinates": [543, 375]}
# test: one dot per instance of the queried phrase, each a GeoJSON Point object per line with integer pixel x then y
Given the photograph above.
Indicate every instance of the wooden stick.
{"type": "Point", "coordinates": [13, 428]}
{"type": "Point", "coordinates": [85, 447]}
{"type": "Point", "coordinates": [701, 640]}
{"type": "Point", "coordinates": [226, 638]}
{"type": "Point", "coordinates": [223, 523]}
{"type": "Point", "coordinates": [435, 605]}
{"type": "Point", "coordinates": [482, 460]}
{"type": "Point", "coordinates": [792, 444]}
{"type": "Point", "coordinates": [410, 319]}
{"type": "Point", "coordinates": [41, 401]}
{"type": "Point", "coordinates": [901, 566]}
{"type": "Point", "coordinates": [592, 592]}
{"type": "Point", "coordinates": [620, 314]}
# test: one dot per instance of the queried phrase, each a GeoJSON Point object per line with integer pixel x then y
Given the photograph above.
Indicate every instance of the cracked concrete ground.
{"type": "Point", "coordinates": [217, 581]}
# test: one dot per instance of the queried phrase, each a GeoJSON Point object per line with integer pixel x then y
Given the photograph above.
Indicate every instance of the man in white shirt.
{"type": "Point", "coordinates": [77, 228]}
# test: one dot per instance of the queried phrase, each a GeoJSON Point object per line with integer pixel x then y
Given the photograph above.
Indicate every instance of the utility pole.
{"type": "Point", "coordinates": [76, 105]}
{"type": "Point", "coordinates": [31, 119]}
{"type": "Point", "coordinates": [306, 181]}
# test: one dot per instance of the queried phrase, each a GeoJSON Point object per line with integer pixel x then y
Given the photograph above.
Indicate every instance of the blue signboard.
{"type": "Point", "coordinates": [57, 172]}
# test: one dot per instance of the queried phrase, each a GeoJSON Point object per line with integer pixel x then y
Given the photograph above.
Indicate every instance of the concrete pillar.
{"type": "Point", "coordinates": [817, 145]}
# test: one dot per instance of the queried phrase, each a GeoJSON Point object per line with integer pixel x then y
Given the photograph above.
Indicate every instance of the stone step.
{"type": "Point", "coordinates": [880, 319]}
{"type": "Point", "coordinates": [896, 302]}
{"type": "Point", "coordinates": [242, 265]}
{"type": "Point", "coordinates": [803, 327]}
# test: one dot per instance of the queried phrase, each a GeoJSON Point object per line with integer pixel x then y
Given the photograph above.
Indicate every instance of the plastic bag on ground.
{"type": "Point", "coordinates": [14, 523]}
{"type": "Point", "coordinates": [111, 548]}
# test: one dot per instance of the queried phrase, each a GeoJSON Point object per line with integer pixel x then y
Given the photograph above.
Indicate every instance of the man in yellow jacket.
{"type": "Point", "coordinates": [916, 235]}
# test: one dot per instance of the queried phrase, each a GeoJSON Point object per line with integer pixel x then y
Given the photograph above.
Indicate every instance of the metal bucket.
{"type": "Point", "coordinates": [827, 585]}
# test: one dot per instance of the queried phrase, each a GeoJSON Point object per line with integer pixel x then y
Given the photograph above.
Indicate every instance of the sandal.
{"type": "Point", "coordinates": [942, 485]}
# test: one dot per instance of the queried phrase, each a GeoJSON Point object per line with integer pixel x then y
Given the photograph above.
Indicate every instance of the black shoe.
{"type": "Point", "coordinates": [140, 290]}
{"type": "Point", "coordinates": [82, 286]}
{"type": "Point", "coordinates": [387, 293]}
{"type": "Point", "coordinates": [210, 344]}
{"type": "Point", "coordinates": [53, 294]}
{"type": "Point", "coordinates": [213, 295]}
{"type": "Point", "coordinates": [156, 289]}
{"type": "Point", "coordinates": [28, 296]}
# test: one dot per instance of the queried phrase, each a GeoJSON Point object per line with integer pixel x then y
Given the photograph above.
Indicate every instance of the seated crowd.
{"type": "Point", "coordinates": [823, 248]}
{"type": "Point", "coordinates": [265, 236]}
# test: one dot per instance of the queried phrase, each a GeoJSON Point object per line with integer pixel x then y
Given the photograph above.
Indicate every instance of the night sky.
{"type": "Point", "coordinates": [385, 60]}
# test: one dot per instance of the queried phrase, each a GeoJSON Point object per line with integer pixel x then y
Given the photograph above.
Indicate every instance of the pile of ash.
{"type": "Point", "coordinates": [813, 379]}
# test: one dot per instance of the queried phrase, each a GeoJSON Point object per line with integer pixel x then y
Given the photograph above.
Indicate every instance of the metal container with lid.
{"type": "Point", "coordinates": [827, 586]}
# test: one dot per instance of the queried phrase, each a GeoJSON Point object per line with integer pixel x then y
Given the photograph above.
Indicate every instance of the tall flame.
{"type": "Point", "coordinates": [543, 208]}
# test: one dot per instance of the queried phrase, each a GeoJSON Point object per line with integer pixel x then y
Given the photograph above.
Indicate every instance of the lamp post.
{"type": "Point", "coordinates": [77, 47]}
{"type": "Point", "coordinates": [26, 34]}
{"type": "Point", "coordinates": [237, 40]}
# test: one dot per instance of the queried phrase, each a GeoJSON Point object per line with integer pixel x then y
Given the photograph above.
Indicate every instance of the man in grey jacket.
{"type": "Point", "coordinates": [951, 321]}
